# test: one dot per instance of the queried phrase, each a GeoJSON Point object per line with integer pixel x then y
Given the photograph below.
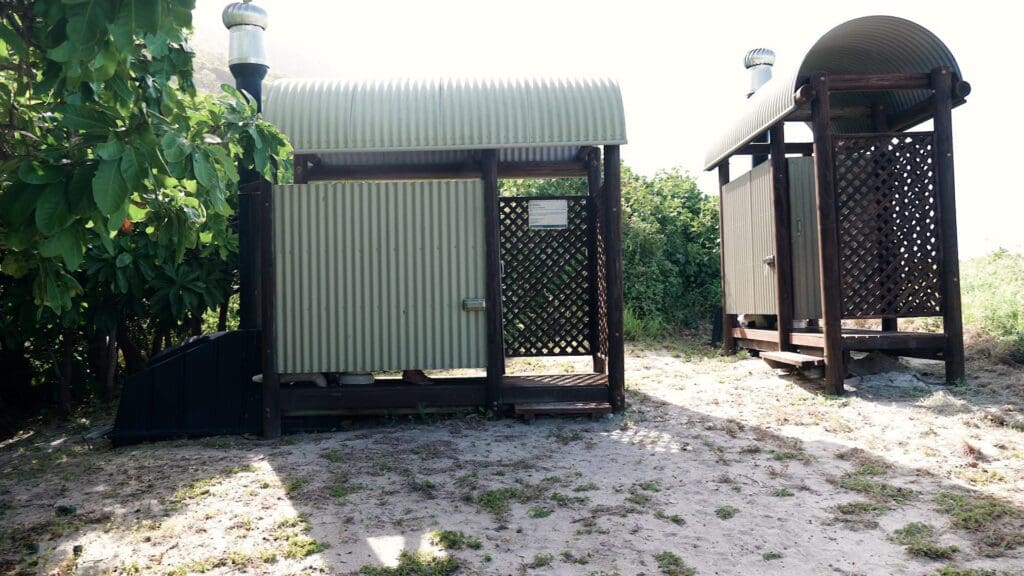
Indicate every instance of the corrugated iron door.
{"type": "Point", "coordinates": [749, 238]}
{"type": "Point", "coordinates": [371, 276]}
{"type": "Point", "coordinates": [547, 275]}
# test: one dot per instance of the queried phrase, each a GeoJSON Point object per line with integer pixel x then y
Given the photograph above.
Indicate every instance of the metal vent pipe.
{"type": "Point", "coordinates": [247, 60]}
{"type": "Point", "coordinates": [759, 61]}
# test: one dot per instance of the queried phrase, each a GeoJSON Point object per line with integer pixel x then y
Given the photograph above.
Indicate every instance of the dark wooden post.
{"type": "Point", "coordinates": [268, 336]}
{"type": "Point", "coordinates": [952, 321]}
{"type": "Point", "coordinates": [783, 240]}
{"type": "Point", "coordinates": [728, 320]}
{"type": "Point", "coordinates": [595, 213]}
{"type": "Point", "coordinates": [492, 241]}
{"type": "Point", "coordinates": [828, 237]}
{"type": "Point", "coordinates": [613, 270]}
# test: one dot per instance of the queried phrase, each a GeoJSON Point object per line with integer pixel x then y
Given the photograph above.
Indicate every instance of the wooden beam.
{"type": "Point", "coordinates": [879, 82]}
{"type": "Point", "coordinates": [728, 320]}
{"type": "Point", "coordinates": [828, 239]}
{"type": "Point", "coordinates": [271, 387]}
{"type": "Point", "coordinates": [613, 271]}
{"type": "Point", "coordinates": [803, 113]}
{"type": "Point", "coordinates": [594, 205]}
{"type": "Point", "coordinates": [803, 95]}
{"type": "Point", "coordinates": [384, 396]}
{"type": "Point", "coordinates": [492, 233]}
{"type": "Point", "coordinates": [300, 168]}
{"type": "Point", "coordinates": [952, 321]}
{"type": "Point", "coordinates": [458, 170]}
{"type": "Point", "coordinates": [758, 148]}
{"type": "Point", "coordinates": [783, 240]}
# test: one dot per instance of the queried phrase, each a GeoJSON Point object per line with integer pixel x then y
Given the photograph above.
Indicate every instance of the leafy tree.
{"type": "Point", "coordinates": [118, 182]}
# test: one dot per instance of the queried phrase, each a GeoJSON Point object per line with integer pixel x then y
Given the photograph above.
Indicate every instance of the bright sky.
{"type": "Point", "coordinates": [679, 64]}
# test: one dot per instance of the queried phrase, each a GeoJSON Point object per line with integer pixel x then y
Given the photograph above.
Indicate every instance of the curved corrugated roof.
{"type": "Point", "coordinates": [868, 45]}
{"type": "Point", "coordinates": [336, 116]}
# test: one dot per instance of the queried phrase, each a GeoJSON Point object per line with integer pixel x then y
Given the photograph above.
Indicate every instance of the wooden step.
{"type": "Point", "coordinates": [792, 359]}
{"type": "Point", "coordinates": [531, 410]}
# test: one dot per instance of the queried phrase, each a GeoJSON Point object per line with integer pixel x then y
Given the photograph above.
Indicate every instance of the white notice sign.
{"type": "Point", "coordinates": [552, 214]}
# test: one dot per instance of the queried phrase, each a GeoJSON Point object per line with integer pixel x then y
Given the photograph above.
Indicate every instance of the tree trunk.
{"type": "Point", "coordinates": [66, 367]}
{"type": "Point", "coordinates": [222, 317]}
{"type": "Point", "coordinates": [111, 373]}
{"type": "Point", "coordinates": [134, 361]}
{"type": "Point", "coordinates": [158, 340]}
{"type": "Point", "coordinates": [196, 324]}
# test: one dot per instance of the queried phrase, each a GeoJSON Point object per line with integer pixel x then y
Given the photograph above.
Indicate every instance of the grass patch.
{"type": "Point", "coordinates": [586, 487]}
{"type": "Point", "coordinates": [499, 501]}
{"type": "Point", "coordinates": [863, 480]}
{"type": "Point", "coordinates": [951, 571]}
{"type": "Point", "coordinates": [771, 555]}
{"type": "Point", "coordinates": [638, 498]}
{"type": "Point", "coordinates": [919, 540]}
{"type": "Point", "coordinates": [973, 512]}
{"type": "Point", "coordinates": [343, 489]}
{"type": "Point", "coordinates": [295, 543]}
{"type": "Point", "coordinates": [726, 512]}
{"type": "Point", "coordinates": [673, 518]}
{"type": "Point", "coordinates": [783, 455]}
{"type": "Point", "coordinates": [455, 540]}
{"type": "Point", "coordinates": [566, 500]}
{"type": "Point", "coordinates": [332, 456]}
{"type": "Point", "coordinates": [541, 560]}
{"type": "Point", "coordinates": [416, 564]}
{"type": "Point", "coordinates": [782, 493]}
{"type": "Point", "coordinates": [539, 512]}
{"type": "Point", "coordinates": [859, 515]}
{"type": "Point", "coordinates": [672, 565]}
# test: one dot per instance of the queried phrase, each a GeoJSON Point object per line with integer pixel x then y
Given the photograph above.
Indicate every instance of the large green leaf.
{"type": "Point", "coordinates": [108, 187]}
{"type": "Point", "coordinates": [204, 171]}
{"type": "Point", "coordinates": [52, 212]}
{"type": "Point", "coordinates": [85, 119]}
{"type": "Point", "coordinates": [66, 245]}
{"type": "Point", "coordinates": [13, 41]}
{"type": "Point", "coordinates": [132, 165]}
{"type": "Point", "coordinates": [36, 173]}
{"type": "Point", "coordinates": [110, 150]}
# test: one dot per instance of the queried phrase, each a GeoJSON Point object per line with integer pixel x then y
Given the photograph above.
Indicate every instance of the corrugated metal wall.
{"type": "Point", "coordinates": [804, 233]}
{"type": "Point", "coordinates": [748, 235]}
{"type": "Point", "coordinates": [371, 275]}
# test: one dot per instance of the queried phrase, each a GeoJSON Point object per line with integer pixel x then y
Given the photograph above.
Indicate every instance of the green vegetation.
{"type": "Point", "coordinates": [726, 512]}
{"type": "Point", "coordinates": [539, 512]}
{"type": "Point", "coordinates": [455, 540]}
{"type": "Point", "coordinates": [332, 456]}
{"type": "Point", "coordinates": [586, 487]}
{"type": "Point", "coordinates": [541, 560]}
{"type": "Point", "coordinates": [993, 301]}
{"type": "Point", "coordinates": [771, 555]}
{"type": "Point", "coordinates": [295, 543]}
{"type": "Point", "coordinates": [418, 564]}
{"type": "Point", "coordinates": [862, 480]}
{"type": "Point", "coordinates": [973, 512]}
{"type": "Point", "coordinates": [859, 515]}
{"type": "Point", "coordinates": [919, 539]}
{"type": "Point", "coordinates": [782, 493]}
{"type": "Point", "coordinates": [499, 501]}
{"type": "Point", "coordinates": [117, 193]}
{"type": "Point", "coordinates": [673, 518]}
{"type": "Point", "coordinates": [672, 565]}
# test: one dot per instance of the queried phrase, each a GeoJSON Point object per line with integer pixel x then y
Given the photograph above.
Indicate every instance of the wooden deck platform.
{"type": "Point", "coordinates": [394, 396]}
{"type": "Point", "coordinates": [594, 409]}
{"type": "Point", "coordinates": [915, 344]}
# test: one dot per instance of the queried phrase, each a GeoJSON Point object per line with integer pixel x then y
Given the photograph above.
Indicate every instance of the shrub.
{"type": "Point", "coordinates": [993, 301]}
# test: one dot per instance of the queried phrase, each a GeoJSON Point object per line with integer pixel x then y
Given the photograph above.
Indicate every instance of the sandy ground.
{"type": "Point", "coordinates": [703, 436]}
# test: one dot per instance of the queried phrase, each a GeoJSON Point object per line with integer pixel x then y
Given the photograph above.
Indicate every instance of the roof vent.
{"type": "Point", "coordinates": [759, 61]}
{"type": "Point", "coordinates": [246, 23]}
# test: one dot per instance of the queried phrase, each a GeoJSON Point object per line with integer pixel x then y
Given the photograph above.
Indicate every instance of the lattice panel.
{"type": "Point", "coordinates": [888, 224]}
{"type": "Point", "coordinates": [546, 282]}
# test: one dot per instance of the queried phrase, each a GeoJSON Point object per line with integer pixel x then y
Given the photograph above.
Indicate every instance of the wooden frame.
{"type": "Point", "coordinates": [831, 340]}
{"type": "Point", "coordinates": [495, 390]}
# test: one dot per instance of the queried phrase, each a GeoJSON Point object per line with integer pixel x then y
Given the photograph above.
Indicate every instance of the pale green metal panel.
{"type": "Point", "coordinates": [762, 240]}
{"type": "Point", "coordinates": [324, 116]}
{"type": "Point", "coordinates": [739, 295]}
{"type": "Point", "coordinates": [804, 233]}
{"type": "Point", "coordinates": [371, 275]}
{"type": "Point", "coordinates": [749, 236]}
